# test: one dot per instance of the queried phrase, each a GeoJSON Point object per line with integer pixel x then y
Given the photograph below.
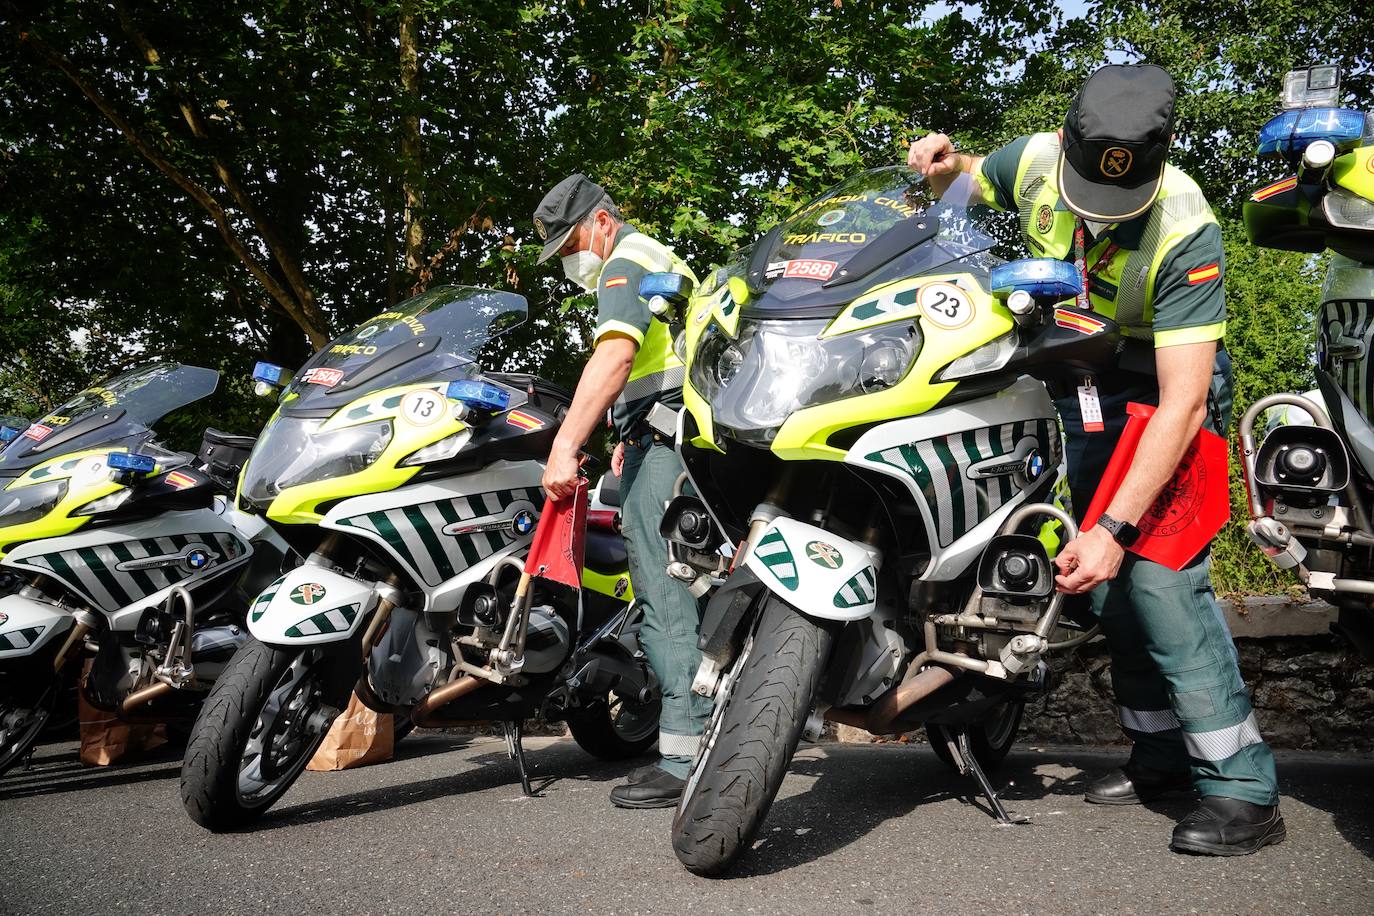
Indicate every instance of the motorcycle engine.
{"type": "Point", "coordinates": [407, 659]}
{"type": "Point", "coordinates": [548, 641]}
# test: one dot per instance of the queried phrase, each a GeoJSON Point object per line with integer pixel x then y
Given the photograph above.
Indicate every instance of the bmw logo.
{"type": "Point", "coordinates": [523, 523]}
{"type": "Point", "coordinates": [1035, 465]}
{"type": "Point", "coordinates": [197, 558]}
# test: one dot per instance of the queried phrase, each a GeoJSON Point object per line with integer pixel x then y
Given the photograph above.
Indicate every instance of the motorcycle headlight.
{"type": "Point", "coordinates": [990, 357]}
{"type": "Point", "coordinates": [773, 368]}
{"type": "Point", "coordinates": [442, 450]}
{"type": "Point", "coordinates": [21, 505]}
{"type": "Point", "coordinates": [294, 452]}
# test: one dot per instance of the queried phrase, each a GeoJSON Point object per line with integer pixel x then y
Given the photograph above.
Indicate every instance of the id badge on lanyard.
{"type": "Point", "coordinates": [1080, 261]}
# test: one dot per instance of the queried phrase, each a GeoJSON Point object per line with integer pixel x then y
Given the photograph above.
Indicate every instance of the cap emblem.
{"type": "Point", "coordinates": [539, 227]}
{"type": "Point", "coordinates": [1116, 161]}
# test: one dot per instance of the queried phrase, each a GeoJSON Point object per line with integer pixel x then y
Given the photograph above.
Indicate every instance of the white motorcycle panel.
{"type": "Point", "coordinates": [310, 605]}
{"type": "Point", "coordinates": [27, 625]}
{"type": "Point", "coordinates": [814, 571]}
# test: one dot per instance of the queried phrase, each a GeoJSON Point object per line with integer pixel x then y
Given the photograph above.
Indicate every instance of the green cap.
{"type": "Point", "coordinates": [558, 214]}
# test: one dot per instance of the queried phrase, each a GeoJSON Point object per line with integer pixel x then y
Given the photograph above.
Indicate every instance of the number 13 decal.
{"type": "Point", "coordinates": [422, 407]}
{"type": "Point", "coordinates": [945, 305]}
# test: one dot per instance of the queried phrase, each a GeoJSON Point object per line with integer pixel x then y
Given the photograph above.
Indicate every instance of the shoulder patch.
{"type": "Point", "coordinates": [1203, 274]}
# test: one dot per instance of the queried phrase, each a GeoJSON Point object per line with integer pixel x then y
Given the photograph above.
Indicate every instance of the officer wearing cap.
{"type": "Point", "coordinates": [1100, 192]}
{"type": "Point", "coordinates": [633, 367]}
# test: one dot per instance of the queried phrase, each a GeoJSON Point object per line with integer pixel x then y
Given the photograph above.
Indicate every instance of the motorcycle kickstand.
{"type": "Point", "coordinates": [962, 751]}
{"type": "Point", "coordinates": [516, 749]}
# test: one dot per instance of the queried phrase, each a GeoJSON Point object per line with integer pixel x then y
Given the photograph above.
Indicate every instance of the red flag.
{"type": "Point", "coordinates": [1192, 507]}
{"type": "Point", "coordinates": [557, 549]}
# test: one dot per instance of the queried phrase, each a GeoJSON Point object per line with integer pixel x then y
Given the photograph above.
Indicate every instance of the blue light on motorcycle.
{"type": "Point", "coordinates": [666, 284]}
{"type": "Point", "coordinates": [8, 433]}
{"type": "Point", "coordinates": [1292, 132]}
{"type": "Point", "coordinates": [270, 373]}
{"type": "Point", "coordinates": [1041, 277]}
{"type": "Point", "coordinates": [131, 462]}
{"type": "Point", "coordinates": [479, 395]}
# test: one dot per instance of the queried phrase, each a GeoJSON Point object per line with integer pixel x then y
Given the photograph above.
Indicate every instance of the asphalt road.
{"type": "Point", "coordinates": [856, 829]}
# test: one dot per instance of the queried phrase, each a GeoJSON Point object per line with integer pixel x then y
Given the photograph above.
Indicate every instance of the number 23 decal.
{"type": "Point", "coordinates": [945, 305]}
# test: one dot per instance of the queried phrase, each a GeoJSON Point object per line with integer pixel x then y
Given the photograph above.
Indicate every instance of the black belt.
{"type": "Point", "coordinates": [642, 435]}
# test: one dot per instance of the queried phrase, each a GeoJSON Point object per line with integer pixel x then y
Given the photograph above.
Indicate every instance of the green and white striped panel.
{"type": "Point", "coordinates": [860, 589]}
{"type": "Point", "coordinates": [94, 572]}
{"type": "Point", "coordinates": [773, 552]}
{"type": "Point", "coordinates": [940, 468]}
{"type": "Point", "coordinates": [416, 533]}
{"type": "Point", "coordinates": [260, 605]}
{"type": "Point", "coordinates": [334, 620]}
{"type": "Point", "coordinates": [19, 639]}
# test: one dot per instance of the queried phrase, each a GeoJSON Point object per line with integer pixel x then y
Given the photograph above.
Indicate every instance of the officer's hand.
{"type": "Point", "coordinates": [618, 459]}
{"type": "Point", "coordinates": [560, 474]}
{"type": "Point", "coordinates": [1087, 561]}
{"type": "Point", "coordinates": [933, 154]}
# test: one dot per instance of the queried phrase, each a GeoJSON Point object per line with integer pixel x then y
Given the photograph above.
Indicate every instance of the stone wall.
{"type": "Point", "coordinates": [1310, 690]}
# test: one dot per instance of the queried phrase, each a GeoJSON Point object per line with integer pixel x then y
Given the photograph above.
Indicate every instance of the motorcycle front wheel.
{"type": "Point", "coordinates": [761, 708]}
{"type": "Point", "coordinates": [24, 712]}
{"type": "Point", "coordinates": [263, 721]}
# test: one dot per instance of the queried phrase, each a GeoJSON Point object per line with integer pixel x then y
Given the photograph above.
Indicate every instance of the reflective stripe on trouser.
{"type": "Point", "coordinates": [1176, 678]}
{"type": "Point", "coordinates": [672, 619]}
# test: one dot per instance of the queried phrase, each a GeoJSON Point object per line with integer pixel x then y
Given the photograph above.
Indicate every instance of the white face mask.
{"type": "Point", "coordinates": [584, 267]}
{"type": "Point", "coordinates": [1095, 227]}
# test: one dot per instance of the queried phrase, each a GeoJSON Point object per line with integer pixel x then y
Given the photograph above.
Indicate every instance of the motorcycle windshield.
{"type": "Point", "coordinates": [120, 410]}
{"type": "Point", "coordinates": [875, 227]}
{"type": "Point", "coordinates": [437, 334]}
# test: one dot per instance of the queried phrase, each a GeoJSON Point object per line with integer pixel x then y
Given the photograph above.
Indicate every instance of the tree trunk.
{"type": "Point", "coordinates": [411, 150]}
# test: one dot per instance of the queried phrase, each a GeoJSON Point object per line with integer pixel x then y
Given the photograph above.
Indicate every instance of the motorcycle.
{"type": "Point", "coordinates": [124, 552]}
{"type": "Point", "coordinates": [863, 418]}
{"type": "Point", "coordinates": [409, 477]}
{"type": "Point", "coordinates": [1310, 478]}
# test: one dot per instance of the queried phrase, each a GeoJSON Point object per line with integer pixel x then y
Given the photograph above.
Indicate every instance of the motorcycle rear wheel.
{"type": "Point", "coordinates": [266, 716]}
{"type": "Point", "coordinates": [615, 727]}
{"type": "Point", "coordinates": [991, 737]}
{"type": "Point", "coordinates": [751, 737]}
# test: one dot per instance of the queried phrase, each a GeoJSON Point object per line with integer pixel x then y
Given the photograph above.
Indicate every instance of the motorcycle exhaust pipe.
{"type": "Point", "coordinates": [882, 716]}
{"type": "Point", "coordinates": [143, 697]}
{"type": "Point", "coordinates": [424, 712]}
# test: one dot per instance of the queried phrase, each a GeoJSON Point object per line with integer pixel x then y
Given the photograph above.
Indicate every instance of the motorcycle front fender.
{"type": "Point", "coordinates": [818, 573]}
{"type": "Point", "coordinates": [310, 605]}
{"type": "Point", "coordinates": [27, 625]}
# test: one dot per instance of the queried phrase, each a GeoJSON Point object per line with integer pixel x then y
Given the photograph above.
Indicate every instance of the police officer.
{"type": "Point", "coordinates": [1101, 193]}
{"type": "Point", "coordinates": [633, 367]}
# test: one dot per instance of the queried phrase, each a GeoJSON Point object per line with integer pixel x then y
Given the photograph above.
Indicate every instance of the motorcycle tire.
{"type": "Point", "coordinates": [615, 728]}
{"type": "Point", "coordinates": [991, 738]}
{"type": "Point", "coordinates": [401, 725]}
{"type": "Point", "coordinates": [23, 719]}
{"type": "Point", "coordinates": [761, 709]}
{"type": "Point", "coordinates": [254, 731]}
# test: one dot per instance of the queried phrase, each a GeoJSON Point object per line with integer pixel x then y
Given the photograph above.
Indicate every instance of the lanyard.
{"type": "Point", "coordinates": [1080, 260]}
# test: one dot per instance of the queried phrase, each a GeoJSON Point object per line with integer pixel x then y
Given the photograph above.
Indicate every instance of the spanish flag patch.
{"type": "Point", "coordinates": [616, 281]}
{"type": "Point", "coordinates": [1077, 321]}
{"type": "Point", "coordinates": [1203, 274]}
{"type": "Point", "coordinates": [522, 420]}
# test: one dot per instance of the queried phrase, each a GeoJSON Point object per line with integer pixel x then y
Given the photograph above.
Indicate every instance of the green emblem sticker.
{"type": "Point", "coordinates": [823, 554]}
{"type": "Point", "coordinates": [308, 593]}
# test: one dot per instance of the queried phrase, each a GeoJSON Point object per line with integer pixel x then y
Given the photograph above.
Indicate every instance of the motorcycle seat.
{"type": "Point", "coordinates": [605, 553]}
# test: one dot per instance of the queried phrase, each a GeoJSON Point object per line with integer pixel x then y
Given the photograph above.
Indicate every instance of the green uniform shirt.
{"type": "Point", "coordinates": [1164, 280]}
{"type": "Point", "coordinates": [658, 372]}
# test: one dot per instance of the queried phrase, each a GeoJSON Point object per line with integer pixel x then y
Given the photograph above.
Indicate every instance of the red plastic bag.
{"type": "Point", "coordinates": [1192, 507]}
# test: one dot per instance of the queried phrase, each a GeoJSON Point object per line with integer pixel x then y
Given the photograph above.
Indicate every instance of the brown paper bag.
{"type": "Point", "coordinates": [106, 740]}
{"type": "Point", "coordinates": [358, 737]}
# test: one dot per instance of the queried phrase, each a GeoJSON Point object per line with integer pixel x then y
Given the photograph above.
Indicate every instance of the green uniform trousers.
{"type": "Point", "coordinates": [1174, 666]}
{"type": "Point", "coordinates": [672, 617]}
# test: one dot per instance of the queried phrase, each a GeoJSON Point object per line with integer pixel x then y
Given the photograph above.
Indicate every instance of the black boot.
{"type": "Point", "coordinates": [661, 789]}
{"type": "Point", "coordinates": [1134, 784]}
{"type": "Point", "coordinates": [1228, 827]}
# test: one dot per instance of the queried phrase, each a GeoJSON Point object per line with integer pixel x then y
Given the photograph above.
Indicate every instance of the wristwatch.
{"type": "Point", "coordinates": [1124, 533]}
